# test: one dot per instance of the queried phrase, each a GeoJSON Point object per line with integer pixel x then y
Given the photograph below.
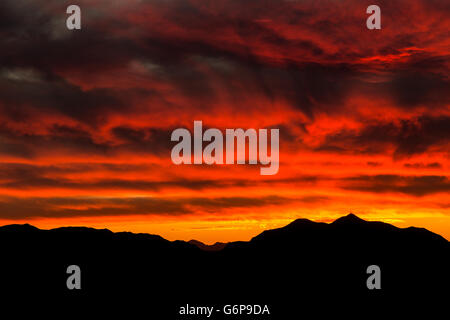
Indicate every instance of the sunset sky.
{"type": "Point", "coordinates": [86, 115]}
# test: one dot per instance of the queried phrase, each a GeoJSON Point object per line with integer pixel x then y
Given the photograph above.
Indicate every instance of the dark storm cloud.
{"type": "Point", "coordinates": [64, 139]}
{"type": "Point", "coordinates": [71, 140]}
{"type": "Point", "coordinates": [144, 140]}
{"type": "Point", "coordinates": [310, 87]}
{"type": "Point", "coordinates": [10, 171]}
{"type": "Point", "coordinates": [30, 181]}
{"type": "Point", "coordinates": [408, 137]}
{"type": "Point", "coordinates": [411, 185]}
{"type": "Point", "coordinates": [419, 88]}
{"type": "Point", "coordinates": [36, 38]}
{"type": "Point", "coordinates": [17, 208]}
{"type": "Point", "coordinates": [22, 99]}
{"type": "Point", "coordinates": [420, 165]}
{"type": "Point", "coordinates": [23, 176]}
{"type": "Point", "coordinates": [26, 176]}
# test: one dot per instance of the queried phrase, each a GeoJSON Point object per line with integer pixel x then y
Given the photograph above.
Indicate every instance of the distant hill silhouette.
{"type": "Point", "coordinates": [304, 265]}
{"type": "Point", "coordinates": [213, 247]}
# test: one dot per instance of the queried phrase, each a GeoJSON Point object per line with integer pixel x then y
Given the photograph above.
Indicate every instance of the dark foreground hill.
{"type": "Point", "coordinates": [306, 265]}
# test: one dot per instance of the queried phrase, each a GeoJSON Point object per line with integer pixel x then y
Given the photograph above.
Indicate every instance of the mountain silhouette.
{"type": "Point", "coordinates": [306, 262]}
{"type": "Point", "coordinates": [213, 247]}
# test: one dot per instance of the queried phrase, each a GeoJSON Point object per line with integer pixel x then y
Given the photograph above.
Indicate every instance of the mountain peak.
{"type": "Point", "coordinates": [349, 219]}
{"type": "Point", "coordinates": [300, 222]}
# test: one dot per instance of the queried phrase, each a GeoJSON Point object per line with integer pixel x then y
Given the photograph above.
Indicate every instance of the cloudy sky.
{"type": "Point", "coordinates": [86, 116]}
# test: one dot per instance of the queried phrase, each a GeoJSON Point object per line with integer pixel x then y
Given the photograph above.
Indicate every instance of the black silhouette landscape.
{"type": "Point", "coordinates": [302, 265]}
